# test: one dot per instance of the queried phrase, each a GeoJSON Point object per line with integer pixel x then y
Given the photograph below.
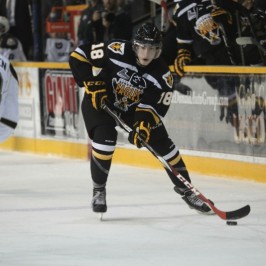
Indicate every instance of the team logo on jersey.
{"type": "Point", "coordinates": [128, 89]}
{"type": "Point", "coordinates": [208, 29]}
{"type": "Point", "coordinates": [192, 14]}
{"type": "Point", "coordinates": [168, 79]}
{"type": "Point", "coordinates": [117, 47]}
{"type": "Point", "coordinates": [190, 10]}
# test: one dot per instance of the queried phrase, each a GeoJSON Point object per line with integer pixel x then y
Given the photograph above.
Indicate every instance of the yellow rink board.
{"type": "Point", "coordinates": [142, 158]}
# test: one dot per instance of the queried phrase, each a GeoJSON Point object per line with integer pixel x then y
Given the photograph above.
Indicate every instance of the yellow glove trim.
{"type": "Point", "coordinates": [94, 93]}
{"type": "Point", "coordinates": [146, 129]}
{"type": "Point", "coordinates": [182, 59]}
{"type": "Point", "coordinates": [142, 127]}
{"type": "Point", "coordinates": [154, 115]}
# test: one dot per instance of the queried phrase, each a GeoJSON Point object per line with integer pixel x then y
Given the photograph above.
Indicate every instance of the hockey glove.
{"type": "Point", "coordinates": [141, 129]}
{"type": "Point", "coordinates": [96, 89]}
{"type": "Point", "coordinates": [183, 58]}
{"type": "Point", "coordinates": [221, 16]}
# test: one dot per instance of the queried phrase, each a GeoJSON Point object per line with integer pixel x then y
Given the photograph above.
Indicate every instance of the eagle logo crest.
{"type": "Point", "coordinates": [117, 47]}
{"type": "Point", "coordinates": [168, 79]}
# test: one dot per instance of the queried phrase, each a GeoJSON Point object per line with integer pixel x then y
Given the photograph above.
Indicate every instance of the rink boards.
{"type": "Point", "coordinates": [51, 122]}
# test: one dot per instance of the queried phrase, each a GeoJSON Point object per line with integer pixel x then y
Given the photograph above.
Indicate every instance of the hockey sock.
{"type": "Point", "coordinates": [180, 166]}
{"type": "Point", "coordinates": [100, 164]}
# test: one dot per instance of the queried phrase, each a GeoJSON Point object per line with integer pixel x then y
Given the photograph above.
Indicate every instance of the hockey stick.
{"type": "Point", "coordinates": [250, 40]}
{"type": "Point", "coordinates": [240, 34]}
{"type": "Point", "coordinates": [225, 39]}
{"type": "Point", "coordinates": [255, 37]}
{"type": "Point", "coordinates": [226, 44]}
{"type": "Point", "coordinates": [164, 13]}
{"type": "Point", "coordinates": [230, 215]}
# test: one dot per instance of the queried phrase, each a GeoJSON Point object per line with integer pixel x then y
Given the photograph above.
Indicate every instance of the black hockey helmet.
{"type": "Point", "coordinates": [148, 34]}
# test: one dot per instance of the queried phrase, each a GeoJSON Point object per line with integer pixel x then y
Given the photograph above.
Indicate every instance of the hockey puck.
{"type": "Point", "coordinates": [231, 222]}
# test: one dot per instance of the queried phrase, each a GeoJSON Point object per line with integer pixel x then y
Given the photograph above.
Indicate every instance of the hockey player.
{"type": "Point", "coordinates": [207, 30]}
{"type": "Point", "coordinates": [133, 80]}
{"type": "Point", "coordinates": [8, 99]}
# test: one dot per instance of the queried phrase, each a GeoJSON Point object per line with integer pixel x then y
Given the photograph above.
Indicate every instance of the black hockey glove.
{"type": "Point", "coordinates": [141, 129]}
{"type": "Point", "coordinates": [183, 58]}
{"type": "Point", "coordinates": [221, 16]}
{"type": "Point", "coordinates": [96, 89]}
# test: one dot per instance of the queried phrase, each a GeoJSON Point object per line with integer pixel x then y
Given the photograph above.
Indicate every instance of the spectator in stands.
{"type": "Point", "coordinates": [110, 21]}
{"type": "Point", "coordinates": [121, 27]}
{"type": "Point", "coordinates": [18, 14]}
{"type": "Point", "coordinates": [85, 29]}
{"type": "Point", "coordinates": [10, 46]}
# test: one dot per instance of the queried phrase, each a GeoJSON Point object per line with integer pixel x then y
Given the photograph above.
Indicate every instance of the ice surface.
{"type": "Point", "coordinates": [45, 218]}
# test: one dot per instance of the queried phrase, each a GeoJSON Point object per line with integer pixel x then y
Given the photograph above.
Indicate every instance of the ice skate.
{"type": "Point", "coordinates": [99, 202]}
{"type": "Point", "coordinates": [193, 201]}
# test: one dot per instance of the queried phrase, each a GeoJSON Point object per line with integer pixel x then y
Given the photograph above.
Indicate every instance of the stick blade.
{"type": "Point", "coordinates": [238, 214]}
{"type": "Point", "coordinates": [232, 215]}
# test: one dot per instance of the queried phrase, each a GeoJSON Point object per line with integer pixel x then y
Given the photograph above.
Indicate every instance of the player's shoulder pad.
{"type": "Point", "coordinates": [162, 73]}
{"type": "Point", "coordinates": [168, 78]}
{"type": "Point", "coordinates": [118, 47]}
{"type": "Point", "coordinates": [165, 78]}
{"type": "Point", "coordinates": [182, 6]}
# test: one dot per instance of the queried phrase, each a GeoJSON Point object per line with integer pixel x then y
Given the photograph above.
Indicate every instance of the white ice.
{"type": "Point", "coordinates": [46, 219]}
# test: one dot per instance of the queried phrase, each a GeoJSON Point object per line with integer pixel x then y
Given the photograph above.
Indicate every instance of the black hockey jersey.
{"type": "Point", "coordinates": [128, 84]}
{"type": "Point", "coordinates": [195, 25]}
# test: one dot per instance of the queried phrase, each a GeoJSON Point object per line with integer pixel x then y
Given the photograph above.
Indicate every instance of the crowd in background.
{"type": "Point", "coordinates": [28, 18]}
{"type": "Point", "coordinates": [23, 37]}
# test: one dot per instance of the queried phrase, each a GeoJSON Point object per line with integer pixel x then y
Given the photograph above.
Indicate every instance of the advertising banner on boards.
{"type": "Point", "coordinates": [60, 105]}
{"type": "Point", "coordinates": [29, 116]}
{"type": "Point", "coordinates": [219, 113]}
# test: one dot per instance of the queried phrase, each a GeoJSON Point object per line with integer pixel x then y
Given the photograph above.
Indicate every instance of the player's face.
{"type": "Point", "coordinates": [145, 54]}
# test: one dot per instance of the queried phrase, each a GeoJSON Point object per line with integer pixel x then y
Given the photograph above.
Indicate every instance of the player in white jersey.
{"type": "Point", "coordinates": [8, 99]}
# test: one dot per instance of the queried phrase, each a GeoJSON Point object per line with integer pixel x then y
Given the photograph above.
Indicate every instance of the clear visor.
{"type": "Point", "coordinates": [148, 45]}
